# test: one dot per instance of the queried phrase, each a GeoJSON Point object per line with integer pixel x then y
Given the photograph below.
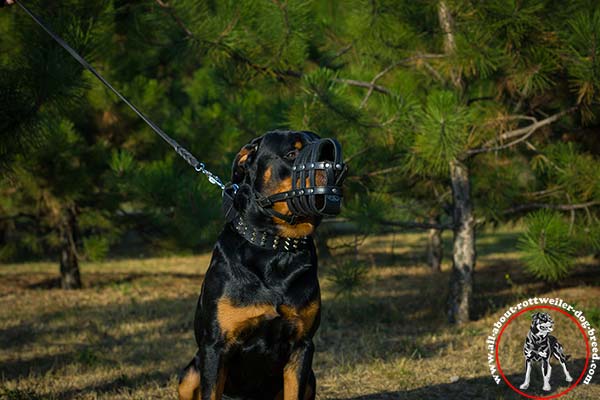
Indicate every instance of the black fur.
{"type": "Point", "coordinates": [247, 276]}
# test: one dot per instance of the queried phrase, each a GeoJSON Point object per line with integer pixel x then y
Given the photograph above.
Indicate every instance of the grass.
{"type": "Point", "coordinates": [129, 331]}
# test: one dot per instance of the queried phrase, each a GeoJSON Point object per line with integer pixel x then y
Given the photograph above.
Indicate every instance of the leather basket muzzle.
{"type": "Point", "coordinates": [317, 176]}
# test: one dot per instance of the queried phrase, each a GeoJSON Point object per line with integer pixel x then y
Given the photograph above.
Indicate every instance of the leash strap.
{"type": "Point", "coordinates": [186, 155]}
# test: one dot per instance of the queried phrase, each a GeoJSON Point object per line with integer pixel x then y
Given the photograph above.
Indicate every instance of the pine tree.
{"type": "Point", "coordinates": [476, 94]}
{"type": "Point", "coordinates": [453, 113]}
{"type": "Point", "coordinates": [53, 163]}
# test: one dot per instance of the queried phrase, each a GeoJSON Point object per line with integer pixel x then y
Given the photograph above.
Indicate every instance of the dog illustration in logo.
{"type": "Point", "coordinates": [541, 346]}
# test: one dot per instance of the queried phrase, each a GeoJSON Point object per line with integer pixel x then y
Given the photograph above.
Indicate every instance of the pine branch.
{"type": "Point", "coordinates": [288, 31]}
{"type": "Point", "coordinates": [433, 72]}
{"type": "Point", "coordinates": [233, 53]}
{"type": "Point", "coordinates": [560, 207]}
{"type": "Point", "coordinates": [358, 153]}
{"type": "Point", "coordinates": [524, 133]}
{"type": "Point", "coordinates": [363, 84]}
{"type": "Point", "coordinates": [17, 216]}
{"type": "Point", "coordinates": [392, 66]}
{"type": "Point", "coordinates": [176, 18]}
{"type": "Point", "coordinates": [384, 171]}
{"type": "Point", "coordinates": [341, 52]}
{"type": "Point", "coordinates": [413, 224]}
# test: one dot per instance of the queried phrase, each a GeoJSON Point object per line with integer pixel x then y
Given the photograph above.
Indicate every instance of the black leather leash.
{"type": "Point", "coordinates": [186, 155]}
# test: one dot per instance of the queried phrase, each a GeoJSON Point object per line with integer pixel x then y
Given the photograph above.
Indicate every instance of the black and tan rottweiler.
{"type": "Point", "coordinates": [260, 305]}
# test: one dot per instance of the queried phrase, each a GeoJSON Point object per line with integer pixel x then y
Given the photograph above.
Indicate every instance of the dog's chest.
{"type": "Point", "coordinates": [537, 344]}
{"type": "Point", "coordinates": [242, 324]}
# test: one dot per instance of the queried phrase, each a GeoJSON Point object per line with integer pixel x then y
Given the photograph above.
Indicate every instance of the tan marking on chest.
{"type": "Point", "coordinates": [302, 318]}
{"type": "Point", "coordinates": [234, 319]}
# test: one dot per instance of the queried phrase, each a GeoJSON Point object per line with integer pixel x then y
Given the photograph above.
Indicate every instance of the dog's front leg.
{"type": "Point", "coordinates": [212, 371]}
{"type": "Point", "coordinates": [568, 377]}
{"type": "Point", "coordinates": [546, 371]}
{"type": "Point", "coordinates": [297, 371]}
{"type": "Point", "coordinates": [525, 384]}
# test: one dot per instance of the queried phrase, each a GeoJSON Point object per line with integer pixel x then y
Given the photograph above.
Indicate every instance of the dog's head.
{"type": "Point", "coordinates": [542, 324]}
{"type": "Point", "coordinates": [269, 166]}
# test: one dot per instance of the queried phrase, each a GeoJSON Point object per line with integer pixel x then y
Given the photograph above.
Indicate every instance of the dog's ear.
{"type": "Point", "coordinates": [244, 158]}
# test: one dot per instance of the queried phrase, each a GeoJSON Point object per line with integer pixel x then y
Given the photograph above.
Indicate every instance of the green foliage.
{"type": "Point", "coordinates": [96, 247]}
{"type": "Point", "coordinates": [582, 61]}
{"type": "Point", "coordinates": [366, 211]}
{"type": "Point", "coordinates": [442, 131]}
{"type": "Point", "coordinates": [216, 74]}
{"type": "Point", "coordinates": [547, 245]}
{"type": "Point", "coordinates": [348, 277]}
{"type": "Point", "coordinates": [575, 171]}
{"type": "Point", "coordinates": [593, 315]}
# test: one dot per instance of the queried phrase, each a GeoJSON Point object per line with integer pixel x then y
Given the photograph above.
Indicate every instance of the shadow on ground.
{"type": "Point", "coordinates": [481, 388]}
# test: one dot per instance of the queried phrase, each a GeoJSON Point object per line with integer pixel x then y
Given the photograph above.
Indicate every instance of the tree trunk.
{"type": "Point", "coordinates": [70, 277]}
{"type": "Point", "coordinates": [435, 248]}
{"type": "Point", "coordinates": [447, 25]}
{"type": "Point", "coordinates": [463, 257]}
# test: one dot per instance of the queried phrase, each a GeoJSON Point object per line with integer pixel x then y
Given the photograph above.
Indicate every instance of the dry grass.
{"type": "Point", "coordinates": [126, 334]}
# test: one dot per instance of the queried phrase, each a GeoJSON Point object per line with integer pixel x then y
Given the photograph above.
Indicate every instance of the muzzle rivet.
{"type": "Point", "coordinates": [327, 165]}
{"type": "Point", "coordinates": [294, 168]}
{"type": "Point", "coordinates": [302, 167]}
{"type": "Point", "coordinates": [334, 190]}
{"type": "Point", "coordinates": [312, 165]}
{"type": "Point", "coordinates": [338, 166]}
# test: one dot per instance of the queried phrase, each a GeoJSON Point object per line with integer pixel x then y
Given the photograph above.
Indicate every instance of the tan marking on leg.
{"type": "Point", "coordinates": [298, 145]}
{"type": "Point", "coordinates": [233, 319]}
{"type": "Point", "coordinates": [189, 387]}
{"type": "Point", "coordinates": [303, 318]}
{"type": "Point", "coordinates": [290, 378]}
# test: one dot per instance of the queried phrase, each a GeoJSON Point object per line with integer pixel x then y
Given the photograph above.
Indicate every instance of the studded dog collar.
{"type": "Point", "coordinates": [268, 240]}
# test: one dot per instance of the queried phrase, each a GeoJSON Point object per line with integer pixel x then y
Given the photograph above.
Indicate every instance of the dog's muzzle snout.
{"type": "Point", "coordinates": [317, 176]}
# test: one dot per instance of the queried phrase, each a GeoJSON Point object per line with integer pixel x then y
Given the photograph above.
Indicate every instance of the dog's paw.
{"type": "Point", "coordinates": [524, 386]}
{"type": "Point", "coordinates": [568, 378]}
{"type": "Point", "coordinates": [546, 387]}
{"type": "Point", "coordinates": [542, 354]}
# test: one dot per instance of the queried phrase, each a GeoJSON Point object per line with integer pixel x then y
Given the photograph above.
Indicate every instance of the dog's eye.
{"type": "Point", "coordinates": [291, 155]}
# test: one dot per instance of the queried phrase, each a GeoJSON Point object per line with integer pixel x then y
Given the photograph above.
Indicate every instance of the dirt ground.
{"type": "Point", "coordinates": [129, 331]}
